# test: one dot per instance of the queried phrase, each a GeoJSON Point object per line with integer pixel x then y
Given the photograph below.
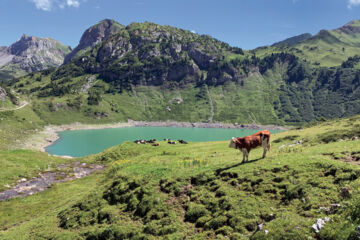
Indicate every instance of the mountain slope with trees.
{"type": "Point", "coordinates": [146, 71]}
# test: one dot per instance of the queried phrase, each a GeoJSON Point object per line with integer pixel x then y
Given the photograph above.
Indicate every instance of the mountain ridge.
{"type": "Point", "coordinates": [139, 71]}
{"type": "Point", "coordinates": [30, 54]}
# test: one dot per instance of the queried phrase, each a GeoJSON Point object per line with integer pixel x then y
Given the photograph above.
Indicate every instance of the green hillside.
{"type": "Point", "coordinates": [325, 49]}
{"type": "Point", "coordinates": [199, 191]}
{"type": "Point", "coordinates": [146, 71]}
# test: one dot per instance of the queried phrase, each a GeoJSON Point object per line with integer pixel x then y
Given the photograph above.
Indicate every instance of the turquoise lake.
{"type": "Point", "coordinates": [85, 142]}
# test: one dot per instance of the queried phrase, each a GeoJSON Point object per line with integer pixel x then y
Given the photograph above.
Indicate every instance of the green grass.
{"type": "Point", "coordinates": [16, 126]}
{"type": "Point", "coordinates": [24, 164]}
{"type": "Point", "coordinates": [201, 191]}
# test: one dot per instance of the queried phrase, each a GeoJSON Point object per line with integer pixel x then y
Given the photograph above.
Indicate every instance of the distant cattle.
{"type": "Point", "coordinates": [182, 141]}
{"type": "Point", "coordinates": [155, 145]}
{"type": "Point", "coordinates": [143, 141]}
{"type": "Point", "coordinates": [245, 144]}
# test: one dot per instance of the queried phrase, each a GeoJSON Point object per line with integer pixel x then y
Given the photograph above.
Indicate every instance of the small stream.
{"type": "Point", "coordinates": [63, 173]}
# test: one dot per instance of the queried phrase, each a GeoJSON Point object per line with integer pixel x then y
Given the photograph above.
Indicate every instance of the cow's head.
{"type": "Point", "coordinates": [232, 143]}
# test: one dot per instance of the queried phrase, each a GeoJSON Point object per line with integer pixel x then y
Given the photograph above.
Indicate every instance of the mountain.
{"type": "Point", "coordinates": [328, 48]}
{"type": "Point", "coordinates": [94, 35]}
{"type": "Point", "coordinates": [30, 54]}
{"type": "Point", "coordinates": [146, 71]}
{"type": "Point", "coordinates": [293, 40]}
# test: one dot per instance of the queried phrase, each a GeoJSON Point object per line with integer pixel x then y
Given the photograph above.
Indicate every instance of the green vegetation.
{"type": "Point", "coordinates": [24, 164]}
{"type": "Point", "coordinates": [173, 74]}
{"type": "Point", "coordinates": [201, 191]}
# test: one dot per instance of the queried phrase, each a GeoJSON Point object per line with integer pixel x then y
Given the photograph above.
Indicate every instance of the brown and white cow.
{"type": "Point", "coordinates": [245, 144]}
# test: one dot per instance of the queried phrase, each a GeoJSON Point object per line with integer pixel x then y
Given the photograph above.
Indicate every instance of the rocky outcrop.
{"type": "Point", "coordinates": [95, 35]}
{"type": "Point", "coordinates": [35, 54]}
{"type": "Point", "coordinates": [5, 56]}
{"type": "Point", "coordinates": [30, 54]}
{"type": "Point", "coordinates": [2, 94]}
{"type": "Point", "coordinates": [151, 54]}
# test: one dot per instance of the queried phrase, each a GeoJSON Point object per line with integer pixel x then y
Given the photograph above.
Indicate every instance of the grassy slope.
{"type": "Point", "coordinates": [203, 184]}
{"type": "Point", "coordinates": [232, 102]}
{"type": "Point", "coordinates": [326, 49]}
{"type": "Point", "coordinates": [17, 125]}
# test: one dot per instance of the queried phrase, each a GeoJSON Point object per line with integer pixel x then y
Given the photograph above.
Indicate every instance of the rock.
{"type": "Point", "coordinates": [320, 223]}
{"type": "Point", "coordinates": [345, 192]}
{"type": "Point", "coordinates": [358, 231]}
{"type": "Point", "coordinates": [34, 54]}
{"type": "Point", "coordinates": [2, 94]}
{"type": "Point", "coordinates": [324, 209]}
{"type": "Point", "coordinates": [22, 180]}
{"type": "Point", "coordinates": [95, 35]}
{"type": "Point", "coordinates": [334, 207]}
{"type": "Point", "coordinates": [260, 226]}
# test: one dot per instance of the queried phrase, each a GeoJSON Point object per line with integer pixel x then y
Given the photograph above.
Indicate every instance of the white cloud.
{"type": "Point", "coordinates": [44, 5]}
{"type": "Point", "coordinates": [73, 3]}
{"type": "Point", "coordinates": [352, 3]}
{"type": "Point", "coordinates": [48, 5]}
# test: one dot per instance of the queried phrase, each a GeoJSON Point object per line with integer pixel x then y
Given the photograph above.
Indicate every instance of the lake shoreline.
{"type": "Point", "coordinates": [49, 135]}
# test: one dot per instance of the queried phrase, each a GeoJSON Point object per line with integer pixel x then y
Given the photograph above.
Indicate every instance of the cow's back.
{"type": "Point", "coordinates": [252, 142]}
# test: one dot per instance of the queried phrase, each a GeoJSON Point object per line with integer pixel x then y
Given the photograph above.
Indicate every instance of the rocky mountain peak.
{"type": "Point", "coordinates": [95, 35]}
{"type": "Point", "coordinates": [30, 54]}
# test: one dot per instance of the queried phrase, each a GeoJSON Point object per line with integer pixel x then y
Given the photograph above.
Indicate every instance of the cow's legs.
{"type": "Point", "coordinates": [265, 146]}
{"type": "Point", "coordinates": [244, 154]}
{"type": "Point", "coordinates": [264, 154]}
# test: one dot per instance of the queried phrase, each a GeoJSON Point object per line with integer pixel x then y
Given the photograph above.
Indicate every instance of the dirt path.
{"type": "Point", "coordinates": [24, 104]}
{"type": "Point", "coordinates": [63, 173]}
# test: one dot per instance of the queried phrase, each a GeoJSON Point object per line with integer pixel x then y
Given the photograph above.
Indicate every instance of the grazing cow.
{"type": "Point", "coordinates": [155, 145]}
{"type": "Point", "coordinates": [245, 144]}
{"type": "Point", "coordinates": [182, 141]}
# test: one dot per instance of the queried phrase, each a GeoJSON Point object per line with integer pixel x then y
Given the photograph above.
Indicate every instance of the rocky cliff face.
{"type": "Point", "coordinates": [5, 56]}
{"type": "Point", "coordinates": [34, 54]}
{"type": "Point", "coordinates": [151, 54]}
{"type": "Point", "coordinates": [2, 94]}
{"type": "Point", "coordinates": [94, 35]}
{"type": "Point", "coordinates": [31, 54]}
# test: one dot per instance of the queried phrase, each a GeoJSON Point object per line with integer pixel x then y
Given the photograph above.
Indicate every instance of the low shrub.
{"type": "Point", "coordinates": [195, 211]}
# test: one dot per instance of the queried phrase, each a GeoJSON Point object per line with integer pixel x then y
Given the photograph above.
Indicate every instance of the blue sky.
{"type": "Point", "coordinates": [243, 23]}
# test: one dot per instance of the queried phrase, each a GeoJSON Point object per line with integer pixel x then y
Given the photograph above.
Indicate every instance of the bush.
{"type": "Point", "coordinates": [113, 233]}
{"type": "Point", "coordinates": [84, 213]}
{"type": "Point", "coordinates": [195, 211]}
{"type": "Point", "coordinates": [216, 222]}
{"type": "Point", "coordinates": [202, 178]}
